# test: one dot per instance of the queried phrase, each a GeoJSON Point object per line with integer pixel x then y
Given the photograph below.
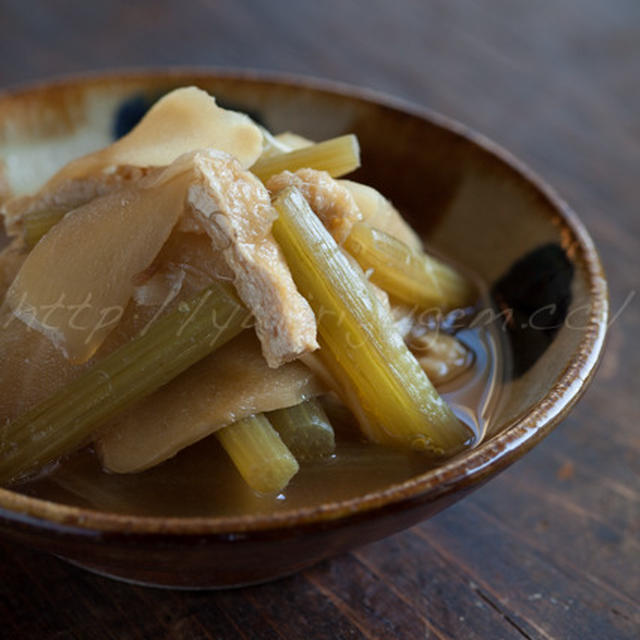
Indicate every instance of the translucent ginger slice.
{"type": "Point", "coordinates": [33, 369]}
{"type": "Point", "coordinates": [329, 199]}
{"type": "Point", "coordinates": [11, 259]}
{"type": "Point", "coordinates": [378, 212]}
{"type": "Point", "coordinates": [184, 120]}
{"type": "Point", "coordinates": [93, 255]}
{"type": "Point", "coordinates": [441, 356]}
{"type": "Point", "coordinates": [75, 284]}
{"type": "Point", "coordinates": [282, 143]}
{"type": "Point", "coordinates": [231, 384]}
{"type": "Point", "coordinates": [26, 214]}
{"type": "Point", "coordinates": [292, 141]}
{"type": "Point", "coordinates": [186, 265]}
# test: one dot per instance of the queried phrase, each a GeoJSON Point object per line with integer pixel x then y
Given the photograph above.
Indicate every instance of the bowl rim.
{"type": "Point", "coordinates": [466, 470]}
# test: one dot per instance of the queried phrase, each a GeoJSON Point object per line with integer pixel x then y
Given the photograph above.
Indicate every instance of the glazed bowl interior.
{"type": "Point", "coordinates": [468, 199]}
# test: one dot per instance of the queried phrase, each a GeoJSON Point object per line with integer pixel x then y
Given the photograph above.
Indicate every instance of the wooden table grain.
{"type": "Point", "coordinates": [550, 549]}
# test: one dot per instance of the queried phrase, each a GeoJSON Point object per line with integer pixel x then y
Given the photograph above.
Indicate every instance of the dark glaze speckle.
{"type": "Point", "coordinates": [133, 109]}
{"type": "Point", "coordinates": [533, 298]}
{"type": "Point", "coordinates": [129, 113]}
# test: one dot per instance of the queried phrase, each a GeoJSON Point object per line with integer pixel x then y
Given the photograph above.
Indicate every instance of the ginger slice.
{"type": "Point", "coordinates": [184, 120]}
{"type": "Point", "coordinates": [291, 140]}
{"type": "Point", "coordinates": [33, 369]}
{"type": "Point", "coordinates": [91, 258]}
{"type": "Point", "coordinates": [441, 356]}
{"type": "Point", "coordinates": [232, 383]}
{"type": "Point", "coordinates": [75, 284]}
{"type": "Point", "coordinates": [378, 212]}
{"type": "Point", "coordinates": [68, 195]}
{"type": "Point", "coordinates": [11, 259]}
{"type": "Point", "coordinates": [330, 201]}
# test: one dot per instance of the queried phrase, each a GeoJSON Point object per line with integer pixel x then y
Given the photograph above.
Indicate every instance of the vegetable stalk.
{"type": "Point", "coordinates": [35, 225]}
{"type": "Point", "coordinates": [337, 156]}
{"type": "Point", "coordinates": [407, 274]}
{"type": "Point", "coordinates": [259, 454]}
{"type": "Point", "coordinates": [68, 418]}
{"type": "Point", "coordinates": [305, 429]}
{"type": "Point", "coordinates": [376, 374]}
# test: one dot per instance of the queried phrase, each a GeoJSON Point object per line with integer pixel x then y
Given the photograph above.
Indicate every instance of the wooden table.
{"type": "Point", "coordinates": [549, 549]}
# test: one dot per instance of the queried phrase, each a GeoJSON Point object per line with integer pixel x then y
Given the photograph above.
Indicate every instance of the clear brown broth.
{"type": "Point", "coordinates": [201, 481]}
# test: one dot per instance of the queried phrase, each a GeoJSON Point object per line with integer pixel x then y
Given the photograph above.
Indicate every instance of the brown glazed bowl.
{"type": "Point", "coordinates": [466, 196]}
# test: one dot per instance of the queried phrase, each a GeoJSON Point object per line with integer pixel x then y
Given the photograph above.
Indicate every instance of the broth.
{"type": "Point", "coordinates": [201, 480]}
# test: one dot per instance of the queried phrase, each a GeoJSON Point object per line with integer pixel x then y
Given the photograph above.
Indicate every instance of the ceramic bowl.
{"type": "Point", "coordinates": [466, 196]}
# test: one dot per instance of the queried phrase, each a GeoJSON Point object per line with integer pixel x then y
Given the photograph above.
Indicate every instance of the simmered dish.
{"type": "Point", "coordinates": [202, 285]}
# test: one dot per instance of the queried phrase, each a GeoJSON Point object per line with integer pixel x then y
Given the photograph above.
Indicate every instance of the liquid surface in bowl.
{"type": "Point", "coordinates": [202, 481]}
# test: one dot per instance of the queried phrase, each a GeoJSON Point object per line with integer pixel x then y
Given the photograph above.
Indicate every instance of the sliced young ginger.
{"type": "Point", "coordinates": [231, 384]}
{"type": "Point", "coordinates": [378, 212]}
{"type": "Point", "coordinates": [292, 141]}
{"type": "Point", "coordinates": [33, 369]}
{"type": "Point", "coordinates": [184, 120]}
{"type": "Point", "coordinates": [11, 259]}
{"type": "Point", "coordinates": [76, 282]}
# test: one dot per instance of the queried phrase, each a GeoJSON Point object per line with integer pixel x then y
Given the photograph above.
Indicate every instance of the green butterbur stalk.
{"type": "Point", "coordinates": [259, 454]}
{"type": "Point", "coordinates": [35, 225]}
{"type": "Point", "coordinates": [409, 275]}
{"type": "Point", "coordinates": [71, 416]}
{"type": "Point", "coordinates": [371, 366]}
{"type": "Point", "coordinates": [305, 429]}
{"type": "Point", "coordinates": [337, 156]}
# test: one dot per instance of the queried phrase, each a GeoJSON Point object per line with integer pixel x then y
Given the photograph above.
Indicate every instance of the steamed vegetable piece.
{"type": "Point", "coordinates": [442, 356]}
{"type": "Point", "coordinates": [262, 459]}
{"type": "Point", "coordinates": [69, 418]}
{"type": "Point", "coordinates": [75, 283]}
{"type": "Point", "coordinates": [409, 275]}
{"type": "Point", "coordinates": [379, 213]}
{"type": "Point", "coordinates": [375, 373]}
{"type": "Point", "coordinates": [181, 121]}
{"type": "Point", "coordinates": [95, 253]}
{"type": "Point", "coordinates": [305, 429]}
{"type": "Point", "coordinates": [230, 384]}
{"type": "Point", "coordinates": [337, 157]}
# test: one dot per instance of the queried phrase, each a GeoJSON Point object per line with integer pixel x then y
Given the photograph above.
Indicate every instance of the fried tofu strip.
{"type": "Point", "coordinates": [330, 201]}
{"type": "Point", "coordinates": [96, 251]}
{"type": "Point", "coordinates": [234, 208]}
